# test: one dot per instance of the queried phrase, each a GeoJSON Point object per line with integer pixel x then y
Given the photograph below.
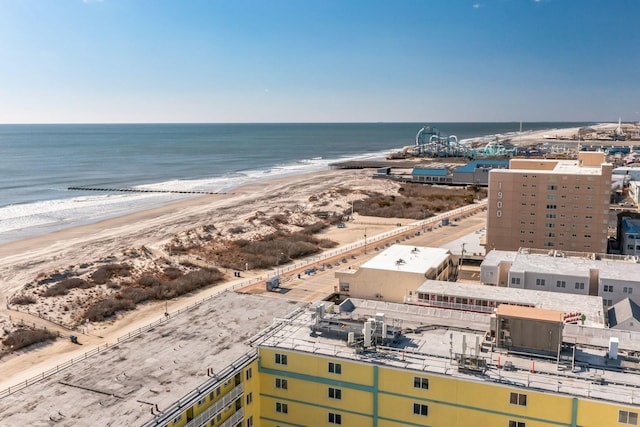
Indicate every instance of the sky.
{"type": "Point", "coordinates": [215, 61]}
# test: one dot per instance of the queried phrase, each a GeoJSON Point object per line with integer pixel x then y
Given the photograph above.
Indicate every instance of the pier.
{"type": "Point", "coordinates": [372, 164]}
{"type": "Point", "coordinates": [141, 190]}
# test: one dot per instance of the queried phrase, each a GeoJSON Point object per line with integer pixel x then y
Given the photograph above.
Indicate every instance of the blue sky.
{"type": "Point", "coordinates": [91, 61]}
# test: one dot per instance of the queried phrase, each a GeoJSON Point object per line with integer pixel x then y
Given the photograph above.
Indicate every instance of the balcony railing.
{"type": "Point", "coordinates": [217, 407]}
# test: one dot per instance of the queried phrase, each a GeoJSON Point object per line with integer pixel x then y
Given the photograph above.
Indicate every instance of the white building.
{"type": "Point", "coordinates": [485, 299]}
{"type": "Point", "coordinates": [613, 277]}
{"type": "Point", "coordinates": [395, 273]}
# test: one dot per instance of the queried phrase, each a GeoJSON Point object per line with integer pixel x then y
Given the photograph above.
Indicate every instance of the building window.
{"type": "Point", "coordinates": [515, 280]}
{"type": "Point", "coordinates": [608, 288]}
{"type": "Point", "coordinates": [420, 409]}
{"type": "Point", "coordinates": [561, 284]}
{"type": "Point", "coordinates": [335, 368]}
{"type": "Point", "coordinates": [281, 359]}
{"type": "Point", "coordinates": [552, 187]}
{"type": "Point", "coordinates": [250, 421]}
{"type": "Point", "coordinates": [513, 423]}
{"type": "Point", "coordinates": [607, 302]}
{"type": "Point", "coordinates": [248, 374]}
{"type": "Point", "coordinates": [282, 408]}
{"type": "Point", "coordinates": [540, 282]}
{"type": "Point", "coordinates": [202, 401]}
{"type": "Point", "coordinates": [282, 383]}
{"type": "Point", "coordinates": [518, 399]}
{"type": "Point", "coordinates": [550, 225]}
{"type": "Point", "coordinates": [579, 285]}
{"type": "Point", "coordinates": [335, 393]}
{"type": "Point", "coordinates": [551, 196]}
{"type": "Point", "coordinates": [550, 216]}
{"type": "Point", "coordinates": [335, 418]}
{"type": "Point", "coordinates": [628, 417]}
{"type": "Point", "coordinates": [249, 398]}
{"type": "Point", "coordinates": [419, 382]}
{"type": "Point", "coordinates": [177, 419]}
{"type": "Point", "coordinates": [552, 206]}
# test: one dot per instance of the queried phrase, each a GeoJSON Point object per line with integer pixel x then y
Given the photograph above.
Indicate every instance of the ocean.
{"type": "Point", "coordinates": [39, 163]}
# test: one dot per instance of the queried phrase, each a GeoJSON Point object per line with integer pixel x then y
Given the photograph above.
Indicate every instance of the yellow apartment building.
{"type": "Point", "coordinates": [374, 364]}
{"type": "Point", "coordinates": [550, 204]}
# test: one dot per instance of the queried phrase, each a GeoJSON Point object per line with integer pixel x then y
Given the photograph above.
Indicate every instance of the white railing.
{"type": "Point", "coordinates": [449, 305]}
{"type": "Point", "coordinates": [234, 419]}
{"type": "Point", "coordinates": [216, 407]}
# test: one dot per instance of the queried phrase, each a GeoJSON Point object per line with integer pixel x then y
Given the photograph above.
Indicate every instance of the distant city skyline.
{"type": "Point", "coordinates": [126, 61]}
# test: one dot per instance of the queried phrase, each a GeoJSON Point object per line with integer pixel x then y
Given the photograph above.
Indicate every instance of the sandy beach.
{"type": "Point", "coordinates": [298, 196]}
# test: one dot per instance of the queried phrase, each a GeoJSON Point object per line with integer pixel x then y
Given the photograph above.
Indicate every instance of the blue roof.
{"type": "Point", "coordinates": [631, 225]}
{"type": "Point", "coordinates": [430, 171]}
{"type": "Point", "coordinates": [470, 167]}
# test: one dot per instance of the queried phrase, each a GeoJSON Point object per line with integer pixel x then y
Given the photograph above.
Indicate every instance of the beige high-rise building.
{"type": "Point", "coordinates": [550, 204]}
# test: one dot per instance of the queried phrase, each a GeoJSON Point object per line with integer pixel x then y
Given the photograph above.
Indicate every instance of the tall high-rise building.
{"type": "Point", "coordinates": [550, 204]}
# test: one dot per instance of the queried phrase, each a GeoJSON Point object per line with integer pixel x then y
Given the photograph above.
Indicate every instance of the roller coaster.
{"type": "Point", "coordinates": [430, 143]}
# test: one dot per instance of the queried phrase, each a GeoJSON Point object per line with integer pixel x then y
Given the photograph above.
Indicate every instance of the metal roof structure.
{"type": "Point", "coordinates": [430, 171]}
{"type": "Point", "coordinates": [533, 313]}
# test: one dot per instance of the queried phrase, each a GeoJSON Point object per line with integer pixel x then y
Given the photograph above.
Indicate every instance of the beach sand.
{"type": "Point", "coordinates": [23, 261]}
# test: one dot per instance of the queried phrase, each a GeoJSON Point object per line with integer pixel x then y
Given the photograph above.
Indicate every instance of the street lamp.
{"type": "Point", "coordinates": [365, 241]}
{"type": "Point", "coordinates": [278, 264]}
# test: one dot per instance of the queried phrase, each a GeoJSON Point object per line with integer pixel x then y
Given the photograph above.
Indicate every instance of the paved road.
{"type": "Point", "coordinates": [323, 283]}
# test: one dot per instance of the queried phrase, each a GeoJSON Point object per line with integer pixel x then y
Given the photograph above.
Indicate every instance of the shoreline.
{"type": "Point", "coordinates": [23, 260]}
{"type": "Point", "coordinates": [116, 232]}
{"type": "Point", "coordinates": [153, 226]}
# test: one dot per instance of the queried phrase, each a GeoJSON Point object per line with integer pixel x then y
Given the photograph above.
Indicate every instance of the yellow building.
{"type": "Point", "coordinates": [377, 364]}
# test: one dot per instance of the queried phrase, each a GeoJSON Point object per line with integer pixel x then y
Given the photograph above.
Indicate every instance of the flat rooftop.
{"type": "Point", "coordinates": [408, 259]}
{"type": "Point", "coordinates": [564, 167]}
{"type": "Point", "coordinates": [120, 385]}
{"type": "Point", "coordinates": [424, 346]}
{"type": "Point", "coordinates": [590, 306]}
{"type": "Point", "coordinates": [569, 263]}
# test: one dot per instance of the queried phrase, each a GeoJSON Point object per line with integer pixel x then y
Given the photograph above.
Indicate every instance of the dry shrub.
{"type": "Point", "coordinates": [62, 287]}
{"type": "Point", "coordinates": [23, 300]}
{"type": "Point", "coordinates": [415, 201]}
{"type": "Point", "coordinates": [148, 281]}
{"type": "Point", "coordinates": [172, 272]}
{"type": "Point", "coordinates": [274, 249]}
{"type": "Point", "coordinates": [106, 272]}
{"type": "Point", "coordinates": [104, 309]}
{"type": "Point", "coordinates": [21, 338]}
{"type": "Point", "coordinates": [314, 228]}
{"type": "Point", "coordinates": [184, 284]}
{"type": "Point", "coordinates": [135, 295]}
{"type": "Point", "coordinates": [276, 220]}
